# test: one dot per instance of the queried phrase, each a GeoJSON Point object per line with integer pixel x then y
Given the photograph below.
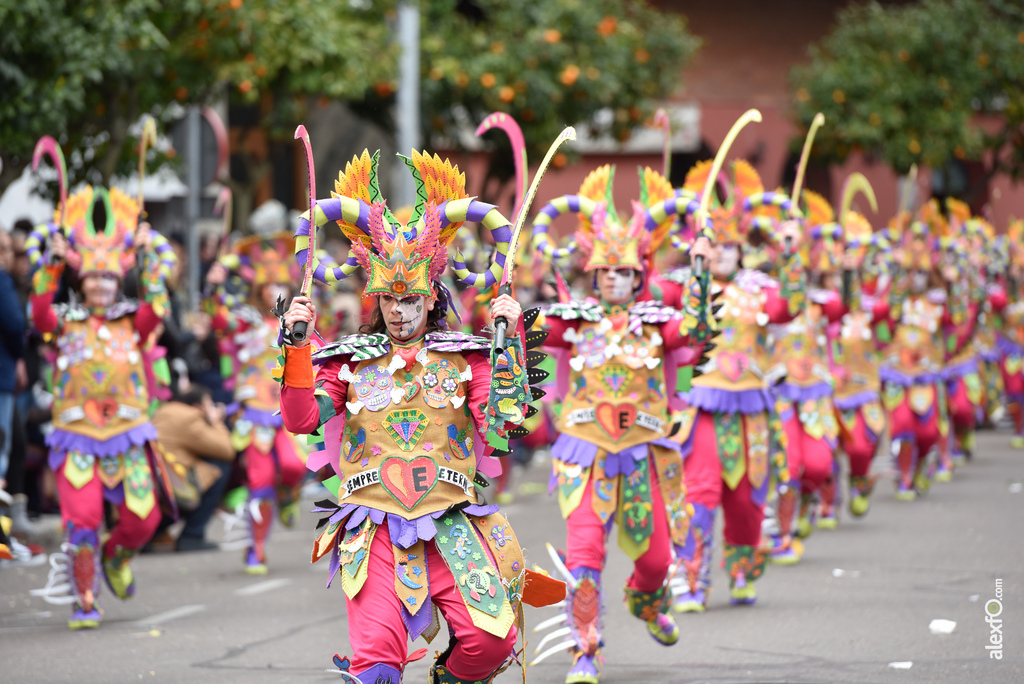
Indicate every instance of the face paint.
{"type": "Point", "coordinates": [99, 290]}
{"type": "Point", "coordinates": [726, 260]}
{"type": "Point", "coordinates": [919, 281]}
{"type": "Point", "coordinates": [274, 290]}
{"type": "Point", "coordinates": [405, 317]}
{"type": "Point", "coordinates": [616, 285]}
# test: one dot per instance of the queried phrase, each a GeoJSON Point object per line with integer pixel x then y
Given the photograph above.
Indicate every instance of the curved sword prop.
{"type": "Point", "coordinates": [147, 140]}
{"type": "Point", "coordinates": [801, 170]}
{"type": "Point", "coordinates": [299, 329]}
{"type": "Point", "coordinates": [47, 146]}
{"type": "Point", "coordinates": [702, 214]}
{"type": "Point", "coordinates": [662, 121]}
{"type": "Point", "coordinates": [506, 123]}
{"type": "Point", "coordinates": [501, 324]}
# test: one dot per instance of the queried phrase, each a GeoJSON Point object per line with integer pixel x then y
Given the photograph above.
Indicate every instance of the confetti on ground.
{"type": "Point", "coordinates": [940, 626]}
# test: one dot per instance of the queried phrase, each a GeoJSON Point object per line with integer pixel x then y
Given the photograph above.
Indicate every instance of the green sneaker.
{"type": "Point", "coordinates": [859, 505]}
{"type": "Point", "coordinates": [804, 526]}
{"type": "Point", "coordinates": [118, 574]}
{"type": "Point", "coordinates": [663, 629]}
{"type": "Point", "coordinates": [289, 514]}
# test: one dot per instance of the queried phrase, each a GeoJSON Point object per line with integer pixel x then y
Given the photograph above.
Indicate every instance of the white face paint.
{"type": "Point", "coordinates": [919, 281]}
{"type": "Point", "coordinates": [725, 260]}
{"type": "Point", "coordinates": [405, 318]}
{"type": "Point", "coordinates": [616, 285]}
{"type": "Point", "coordinates": [274, 290]}
{"type": "Point", "coordinates": [99, 290]}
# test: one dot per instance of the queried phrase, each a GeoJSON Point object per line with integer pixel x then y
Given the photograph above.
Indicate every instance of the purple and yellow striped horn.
{"type": "Point", "coordinates": [357, 213]}
{"type": "Point", "coordinates": [561, 205]}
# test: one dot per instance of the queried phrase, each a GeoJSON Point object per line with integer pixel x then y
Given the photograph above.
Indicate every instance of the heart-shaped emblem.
{"type": "Point", "coordinates": [410, 389]}
{"type": "Point", "coordinates": [732, 364]}
{"type": "Point", "coordinates": [615, 419]}
{"type": "Point", "coordinates": [799, 368]}
{"type": "Point", "coordinates": [408, 481]}
{"type": "Point", "coordinates": [100, 412]}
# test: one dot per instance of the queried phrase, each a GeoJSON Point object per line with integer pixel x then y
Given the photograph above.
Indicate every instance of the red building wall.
{"type": "Point", "coordinates": [749, 48]}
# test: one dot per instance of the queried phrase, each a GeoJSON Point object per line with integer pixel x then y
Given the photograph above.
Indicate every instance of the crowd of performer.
{"type": "Point", "coordinates": [720, 345]}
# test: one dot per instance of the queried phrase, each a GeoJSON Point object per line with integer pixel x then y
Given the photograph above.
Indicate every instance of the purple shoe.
{"type": "Point", "coordinates": [253, 566]}
{"type": "Point", "coordinates": [584, 671]}
{"type": "Point", "coordinates": [690, 602]}
{"type": "Point", "coordinates": [85, 619]}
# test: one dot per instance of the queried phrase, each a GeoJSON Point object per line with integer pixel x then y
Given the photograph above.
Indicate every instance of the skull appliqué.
{"type": "Point", "coordinates": [373, 387]}
{"type": "Point", "coordinates": [590, 345]}
{"type": "Point", "coordinates": [442, 383]}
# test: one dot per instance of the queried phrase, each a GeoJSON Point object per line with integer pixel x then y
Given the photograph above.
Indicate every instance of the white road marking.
{"type": "Point", "coordinates": [261, 587]}
{"type": "Point", "coordinates": [159, 618]}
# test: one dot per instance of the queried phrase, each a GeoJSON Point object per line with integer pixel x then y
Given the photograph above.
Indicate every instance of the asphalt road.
{"type": "Point", "coordinates": [198, 618]}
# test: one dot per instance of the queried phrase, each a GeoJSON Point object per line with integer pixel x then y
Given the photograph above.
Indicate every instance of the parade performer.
{"type": "Point", "coordinates": [405, 409]}
{"type": "Point", "coordinates": [964, 273]}
{"type": "Point", "coordinates": [249, 280]}
{"type": "Point", "coordinates": [992, 248]}
{"type": "Point", "coordinates": [614, 461]}
{"type": "Point", "coordinates": [854, 357]}
{"type": "Point", "coordinates": [1011, 334]}
{"type": "Point", "coordinates": [911, 316]}
{"type": "Point", "coordinates": [101, 446]}
{"type": "Point", "coordinates": [726, 425]}
{"type": "Point", "coordinates": [798, 372]}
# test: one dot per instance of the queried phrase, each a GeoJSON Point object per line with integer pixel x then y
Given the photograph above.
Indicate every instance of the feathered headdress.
{"type": "Point", "coordinates": [403, 258]}
{"type": "Point", "coordinates": [263, 260]}
{"type": "Point", "coordinates": [602, 237]}
{"type": "Point", "coordinates": [727, 216]}
{"type": "Point", "coordinates": [100, 225]}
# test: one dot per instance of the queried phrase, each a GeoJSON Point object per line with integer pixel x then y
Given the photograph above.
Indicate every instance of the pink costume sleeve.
{"type": "Point", "coordinates": [998, 300]}
{"type": "Point", "coordinates": [44, 318]}
{"type": "Point", "coordinates": [556, 332]}
{"type": "Point", "coordinates": [834, 309]}
{"type": "Point", "coordinates": [674, 339]}
{"type": "Point", "coordinates": [777, 307]}
{"type": "Point", "coordinates": [146, 321]}
{"type": "Point", "coordinates": [299, 408]}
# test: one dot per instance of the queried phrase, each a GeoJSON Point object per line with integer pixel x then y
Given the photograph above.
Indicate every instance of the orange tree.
{"type": "Point", "coordinates": [85, 71]}
{"type": "Point", "coordinates": [548, 63]}
{"type": "Point", "coordinates": [907, 83]}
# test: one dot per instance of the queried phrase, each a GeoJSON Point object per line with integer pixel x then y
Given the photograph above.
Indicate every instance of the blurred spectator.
{"type": "Point", "coordinates": [21, 270]}
{"type": "Point", "coordinates": [12, 349]}
{"type": "Point", "coordinates": [197, 446]}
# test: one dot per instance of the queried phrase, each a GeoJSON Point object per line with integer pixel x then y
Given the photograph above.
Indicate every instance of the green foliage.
{"type": "Point", "coordinates": [908, 83]}
{"type": "Point", "coordinates": [549, 63]}
{"type": "Point", "coordinates": [84, 71]}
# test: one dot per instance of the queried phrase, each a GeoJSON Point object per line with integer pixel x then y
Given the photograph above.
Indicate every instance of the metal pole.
{"type": "Point", "coordinates": [194, 194]}
{"type": "Point", "coordinates": [408, 118]}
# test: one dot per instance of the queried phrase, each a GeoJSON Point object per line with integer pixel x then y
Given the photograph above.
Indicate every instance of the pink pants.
{"type": "Point", "coordinates": [704, 485]}
{"type": "Point", "coordinates": [378, 634]}
{"type": "Point", "coordinates": [923, 432]}
{"type": "Point", "coordinates": [83, 508]}
{"type": "Point", "coordinates": [859, 445]}
{"type": "Point", "coordinates": [586, 546]}
{"type": "Point", "coordinates": [962, 413]}
{"type": "Point", "coordinates": [262, 468]}
{"type": "Point", "coordinates": [809, 459]}
{"type": "Point", "coordinates": [919, 435]}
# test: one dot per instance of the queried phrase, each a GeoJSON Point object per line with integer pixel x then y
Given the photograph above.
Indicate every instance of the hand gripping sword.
{"type": "Point", "coordinates": [299, 329]}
